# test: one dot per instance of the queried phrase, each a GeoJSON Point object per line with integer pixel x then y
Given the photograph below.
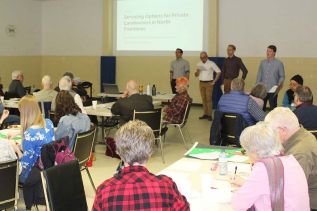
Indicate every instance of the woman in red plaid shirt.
{"type": "Point", "coordinates": [134, 187]}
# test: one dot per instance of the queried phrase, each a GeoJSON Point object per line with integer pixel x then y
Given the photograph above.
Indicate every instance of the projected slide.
{"type": "Point", "coordinates": [159, 25]}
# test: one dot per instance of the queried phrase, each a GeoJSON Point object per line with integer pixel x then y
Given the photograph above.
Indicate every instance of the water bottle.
{"type": "Point", "coordinates": [148, 89]}
{"type": "Point", "coordinates": [153, 90]}
{"type": "Point", "coordinates": [223, 163]}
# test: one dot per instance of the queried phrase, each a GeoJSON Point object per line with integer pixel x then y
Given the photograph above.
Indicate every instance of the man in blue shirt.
{"type": "Point", "coordinates": [271, 74]}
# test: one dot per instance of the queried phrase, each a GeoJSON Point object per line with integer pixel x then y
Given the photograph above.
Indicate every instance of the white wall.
{"type": "Point", "coordinates": [25, 15]}
{"type": "Point", "coordinates": [254, 24]}
{"type": "Point", "coordinates": [72, 27]}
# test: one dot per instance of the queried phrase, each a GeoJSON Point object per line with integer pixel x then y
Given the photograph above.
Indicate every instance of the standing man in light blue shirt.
{"type": "Point", "coordinates": [271, 73]}
{"type": "Point", "coordinates": [179, 67]}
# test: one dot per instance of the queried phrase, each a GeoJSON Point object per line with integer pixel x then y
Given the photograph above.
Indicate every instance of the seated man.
{"type": "Point", "coordinates": [16, 86]}
{"type": "Point", "coordinates": [175, 111]}
{"type": "Point", "coordinates": [236, 101]}
{"type": "Point", "coordinates": [305, 111]}
{"type": "Point", "coordinates": [131, 100]}
{"type": "Point", "coordinates": [134, 187]}
{"type": "Point", "coordinates": [298, 142]}
{"type": "Point", "coordinates": [47, 94]}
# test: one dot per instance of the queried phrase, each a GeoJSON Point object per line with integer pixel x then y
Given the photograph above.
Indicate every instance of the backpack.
{"type": "Point", "coordinates": [111, 148]}
{"type": "Point", "coordinates": [55, 153]}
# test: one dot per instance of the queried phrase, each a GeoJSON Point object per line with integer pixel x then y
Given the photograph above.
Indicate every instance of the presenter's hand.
{"type": "Point", "coordinates": [197, 73]}
{"type": "Point", "coordinates": [212, 83]}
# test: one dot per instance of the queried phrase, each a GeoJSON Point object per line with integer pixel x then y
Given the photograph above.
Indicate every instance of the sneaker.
{"type": "Point", "coordinates": [203, 117]}
{"type": "Point", "coordinates": [209, 118]}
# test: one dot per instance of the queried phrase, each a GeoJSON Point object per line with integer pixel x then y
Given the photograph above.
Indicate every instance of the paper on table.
{"type": "Point", "coordinates": [207, 156]}
{"type": "Point", "coordinates": [238, 159]}
{"type": "Point", "coordinates": [186, 165]}
{"type": "Point", "coordinates": [273, 89]}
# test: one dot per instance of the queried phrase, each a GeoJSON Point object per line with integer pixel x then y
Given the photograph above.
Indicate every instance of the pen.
{"type": "Point", "coordinates": [235, 172]}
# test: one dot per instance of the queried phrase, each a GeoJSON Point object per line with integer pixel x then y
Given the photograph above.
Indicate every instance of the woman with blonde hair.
{"type": "Point", "coordinates": [36, 131]}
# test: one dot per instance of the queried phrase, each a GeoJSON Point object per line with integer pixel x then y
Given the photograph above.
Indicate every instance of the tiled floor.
{"type": "Point", "coordinates": [104, 167]}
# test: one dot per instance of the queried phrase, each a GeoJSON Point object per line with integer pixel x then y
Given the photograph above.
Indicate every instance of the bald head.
{"type": "Point", "coordinates": [284, 121]}
{"type": "Point", "coordinates": [132, 87]}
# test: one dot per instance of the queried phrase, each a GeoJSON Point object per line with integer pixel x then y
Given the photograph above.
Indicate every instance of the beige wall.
{"type": "Point", "coordinates": [30, 65]}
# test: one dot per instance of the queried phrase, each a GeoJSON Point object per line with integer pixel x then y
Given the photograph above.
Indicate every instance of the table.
{"type": "Point", "coordinates": [103, 110]}
{"type": "Point", "coordinates": [5, 132]}
{"type": "Point", "coordinates": [159, 97]}
{"type": "Point", "coordinates": [203, 188]}
{"type": "Point", "coordinates": [12, 103]}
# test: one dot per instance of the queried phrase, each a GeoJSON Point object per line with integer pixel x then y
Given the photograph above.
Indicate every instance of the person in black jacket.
{"type": "Point", "coordinates": [131, 100]}
{"type": "Point", "coordinates": [16, 86]}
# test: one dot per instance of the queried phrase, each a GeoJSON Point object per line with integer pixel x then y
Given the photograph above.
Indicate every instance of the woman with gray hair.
{"type": "Point", "coordinates": [276, 181]}
{"type": "Point", "coordinates": [134, 187]}
{"type": "Point", "coordinates": [65, 83]}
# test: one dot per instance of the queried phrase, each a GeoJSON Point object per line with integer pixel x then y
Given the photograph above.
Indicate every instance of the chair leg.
{"type": "Point", "coordinates": [92, 183]}
{"type": "Point", "coordinates": [188, 134]}
{"type": "Point", "coordinates": [180, 130]}
{"type": "Point", "coordinates": [161, 146]}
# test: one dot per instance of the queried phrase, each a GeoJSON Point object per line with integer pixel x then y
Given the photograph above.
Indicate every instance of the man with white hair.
{"type": "Point", "coordinates": [298, 142]}
{"type": "Point", "coordinates": [47, 94]}
{"type": "Point", "coordinates": [16, 86]}
{"type": "Point", "coordinates": [131, 100]}
{"type": "Point", "coordinates": [65, 83]}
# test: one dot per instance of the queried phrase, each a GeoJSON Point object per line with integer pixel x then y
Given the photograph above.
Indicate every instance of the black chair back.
{"type": "Point", "coordinates": [28, 90]}
{"type": "Point", "coordinates": [45, 108]}
{"type": "Point", "coordinates": [63, 187]}
{"type": "Point", "coordinates": [8, 184]}
{"type": "Point", "coordinates": [87, 85]}
{"type": "Point", "coordinates": [83, 145]}
{"type": "Point", "coordinates": [152, 118]}
{"type": "Point", "coordinates": [187, 112]}
{"type": "Point", "coordinates": [231, 128]}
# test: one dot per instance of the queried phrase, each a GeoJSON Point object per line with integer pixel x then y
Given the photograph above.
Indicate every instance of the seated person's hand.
{"type": "Point", "coordinates": [5, 114]}
{"type": "Point", "coordinates": [125, 94]}
{"type": "Point", "coordinates": [12, 134]}
{"type": "Point", "coordinates": [237, 180]}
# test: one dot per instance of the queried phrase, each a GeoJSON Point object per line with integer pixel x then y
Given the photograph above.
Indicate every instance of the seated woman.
{"type": "Point", "coordinates": [288, 100]}
{"type": "Point", "coordinates": [175, 111]}
{"type": "Point", "coordinates": [36, 131]}
{"type": "Point", "coordinates": [258, 93]}
{"type": "Point", "coordinates": [69, 117]}
{"type": "Point", "coordinates": [277, 182]}
{"type": "Point", "coordinates": [134, 187]}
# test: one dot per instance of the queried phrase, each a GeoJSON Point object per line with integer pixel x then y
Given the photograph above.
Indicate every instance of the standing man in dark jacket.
{"type": "Point", "coordinates": [231, 68]}
{"type": "Point", "coordinates": [130, 101]}
{"type": "Point", "coordinates": [16, 86]}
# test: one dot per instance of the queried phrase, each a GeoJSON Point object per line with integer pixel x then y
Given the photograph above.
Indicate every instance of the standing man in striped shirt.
{"type": "Point", "coordinates": [271, 73]}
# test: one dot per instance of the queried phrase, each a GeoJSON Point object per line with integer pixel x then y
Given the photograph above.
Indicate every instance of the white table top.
{"type": "Point", "coordinates": [194, 180]}
{"type": "Point", "coordinates": [104, 109]}
{"type": "Point", "coordinates": [12, 103]}
{"type": "Point", "coordinates": [159, 97]}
